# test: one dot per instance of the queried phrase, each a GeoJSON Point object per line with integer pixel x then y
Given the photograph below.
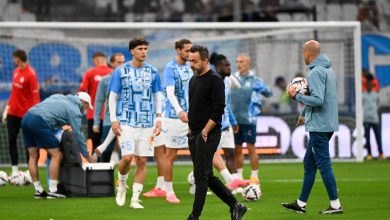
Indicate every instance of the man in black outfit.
{"type": "Point", "coordinates": [207, 103]}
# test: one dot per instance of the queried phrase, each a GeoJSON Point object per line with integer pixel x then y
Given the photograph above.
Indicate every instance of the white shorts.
{"type": "Point", "coordinates": [136, 141]}
{"type": "Point", "coordinates": [174, 133]}
{"type": "Point", "coordinates": [227, 139]}
{"type": "Point", "coordinates": [159, 140]}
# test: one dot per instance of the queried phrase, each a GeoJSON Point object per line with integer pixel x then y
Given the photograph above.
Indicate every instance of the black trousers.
{"type": "Point", "coordinates": [13, 127]}
{"type": "Point", "coordinates": [202, 154]}
{"type": "Point", "coordinates": [378, 136]}
{"type": "Point", "coordinates": [95, 137]}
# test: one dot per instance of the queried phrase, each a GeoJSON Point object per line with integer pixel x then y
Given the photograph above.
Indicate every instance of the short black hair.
{"type": "Point", "coordinates": [21, 54]}
{"type": "Point", "coordinates": [369, 77]}
{"type": "Point", "coordinates": [203, 51]}
{"type": "Point", "coordinates": [98, 54]}
{"type": "Point", "coordinates": [137, 41]}
{"type": "Point", "coordinates": [180, 44]}
{"type": "Point", "coordinates": [112, 58]}
{"type": "Point", "coordinates": [216, 59]}
{"type": "Point", "coordinates": [279, 79]}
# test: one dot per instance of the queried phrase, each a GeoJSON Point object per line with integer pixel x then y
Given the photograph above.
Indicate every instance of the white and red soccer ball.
{"type": "Point", "coordinates": [301, 85]}
{"type": "Point", "coordinates": [251, 193]}
{"type": "Point", "coordinates": [3, 178]}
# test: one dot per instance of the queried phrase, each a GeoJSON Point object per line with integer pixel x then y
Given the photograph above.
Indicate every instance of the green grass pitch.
{"type": "Point", "coordinates": [364, 190]}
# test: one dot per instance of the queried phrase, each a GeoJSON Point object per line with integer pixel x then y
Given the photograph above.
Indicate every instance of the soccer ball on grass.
{"type": "Point", "coordinates": [251, 193]}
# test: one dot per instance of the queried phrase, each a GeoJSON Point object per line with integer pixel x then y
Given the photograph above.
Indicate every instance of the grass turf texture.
{"type": "Point", "coordinates": [363, 188]}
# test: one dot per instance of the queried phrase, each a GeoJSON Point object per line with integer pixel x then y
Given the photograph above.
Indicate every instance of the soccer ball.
{"type": "Point", "coordinates": [191, 178]}
{"type": "Point", "coordinates": [27, 177]}
{"type": "Point", "coordinates": [17, 179]}
{"type": "Point", "coordinates": [251, 193]}
{"type": "Point", "coordinates": [301, 85]}
{"type": "Point", "coordinates": [3, 178]}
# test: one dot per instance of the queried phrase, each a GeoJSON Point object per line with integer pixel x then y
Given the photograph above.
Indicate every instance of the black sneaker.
{"type": "Point", "coordinates": [294, 207]}
{"type": "Point", "coordinates": [55, 195]}
{"type": "Point", "coordinates": [331, 210]}
{"type": "Point", "coordinates": [237, 211]}
{"type": "Point", "coordinates": [40, 195]}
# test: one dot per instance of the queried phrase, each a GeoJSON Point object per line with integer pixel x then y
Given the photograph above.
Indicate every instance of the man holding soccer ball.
{"type": "Point", "coordinates": [321, 121]}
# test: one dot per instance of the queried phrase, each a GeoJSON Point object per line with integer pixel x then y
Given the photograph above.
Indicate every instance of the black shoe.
{"type": "Point", "coordinates": [331, 210]}
{"type": "Point", "coordinates": [55, 195]}
{"type": "Point", "coordinates": [294, 207]}
{"type": "Point", "coordinates": [192, 217]}
{"type": "Point", "coordinates": [40, 195]}
{"type": "Point", "coordinates": [237, 211]}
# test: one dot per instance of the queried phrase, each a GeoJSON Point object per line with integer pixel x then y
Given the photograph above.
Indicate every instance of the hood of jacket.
{"type": "Point", "coordinates": [322, 60]}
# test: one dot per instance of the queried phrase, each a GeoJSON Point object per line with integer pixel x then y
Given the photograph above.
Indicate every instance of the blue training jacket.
{"type": "Point", "coordinates": [321, 105]}
{"type": "Point", "coordinates": [101, 97]}
{"type": "Point", "coordinates": [59, 110]}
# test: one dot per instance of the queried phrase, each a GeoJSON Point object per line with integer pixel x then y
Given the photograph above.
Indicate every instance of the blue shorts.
{"type": "Point", "coordinates": [246, 133]}
{"type": "Point", "coordinates": [37, 133]}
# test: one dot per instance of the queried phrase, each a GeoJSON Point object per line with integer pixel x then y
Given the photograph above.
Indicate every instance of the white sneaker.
{"type": "Point", "coordinates": [121, 197]}
{"type": "Point", "coordinates": [136, 205]}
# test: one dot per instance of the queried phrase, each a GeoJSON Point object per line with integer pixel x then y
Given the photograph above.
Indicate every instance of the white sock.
{"type": "Point", "coordinates": [160, 183]}
{"type": "Point", "coordinates": [137, 189]}
{"type": "Point", "coordinates": [226, 175]}
{"type": "Point", "coordinates": [255, 174]}
{"type": "Point", "coordinates": [15, 169]}
{"type": "Point", "coordinates": [38, 187]}
{"type": "Point", "coordinates": [169, 188]}
{"type": "Point", "coordinates": [114, 158]}
{"type": "Point", "coordinates": [107, 141]}
{"type": "Point", "coordinates": [53, 185]}
{"type": "Point", "coordinates": [335, 203]}
{"type": "Point", "coordinates": [122, 180]}
{"type": "Point", "coordinates": [300, 203]}
{"type": "Point", "coordinates": [235, 176]}
{"type": "Point", "coordinates": [239, 173]}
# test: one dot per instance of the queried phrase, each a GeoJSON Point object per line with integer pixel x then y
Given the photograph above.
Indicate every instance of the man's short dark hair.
{"type": "Point", "coordinates": [112, 58]}
{"type": "Point", "coordinates": [279, 79]}
{"type": "Point", "coordinates": [216, 58]}
{"type": "Point", "coordinates": [180, 44]}
{"type": "Point", "coordinates": [21, 54]}
{"type": "Point", "coordinates": [369, 77]}
{"type": "Point", "coordinates": [203, 51]}
{"type": "Point", "coordinates": [98, 54]}
{"type": "Point", "coordinates": [137, 41]}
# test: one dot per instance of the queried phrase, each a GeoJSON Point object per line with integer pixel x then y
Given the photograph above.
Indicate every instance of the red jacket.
{"type": "Point", "coordinates": [90, 84]}
{"type": "Point", "coordinates": [24, 92]}
{"type": "Point", "coordinates": [375, 84]}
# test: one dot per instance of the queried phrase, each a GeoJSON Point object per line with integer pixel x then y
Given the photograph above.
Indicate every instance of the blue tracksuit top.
{"type": "Point", "coordinates": [321, 105]}
{"type": "Point", "coordinates": [59, 110]}
{"type": "Point", "coordinates": [101, 97]}
{"type": "Point", "coordinates": [242, 98]}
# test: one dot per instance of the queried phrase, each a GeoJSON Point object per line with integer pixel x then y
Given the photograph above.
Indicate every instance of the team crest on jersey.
{"type": "Point", "coordinates": [138, 85]}
{"type": "Point", "coordinates": [22, 79]}
{"type": "Point", "coordinates": [147, 74]}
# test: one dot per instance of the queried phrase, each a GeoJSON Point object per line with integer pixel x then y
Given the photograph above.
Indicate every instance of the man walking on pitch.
{"type": "Point", "coordinates": [135, 105]}
{"type": "Point", "coordinates": [321, 121]}
{"type": "Point", "coordinates": [206, 107]}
